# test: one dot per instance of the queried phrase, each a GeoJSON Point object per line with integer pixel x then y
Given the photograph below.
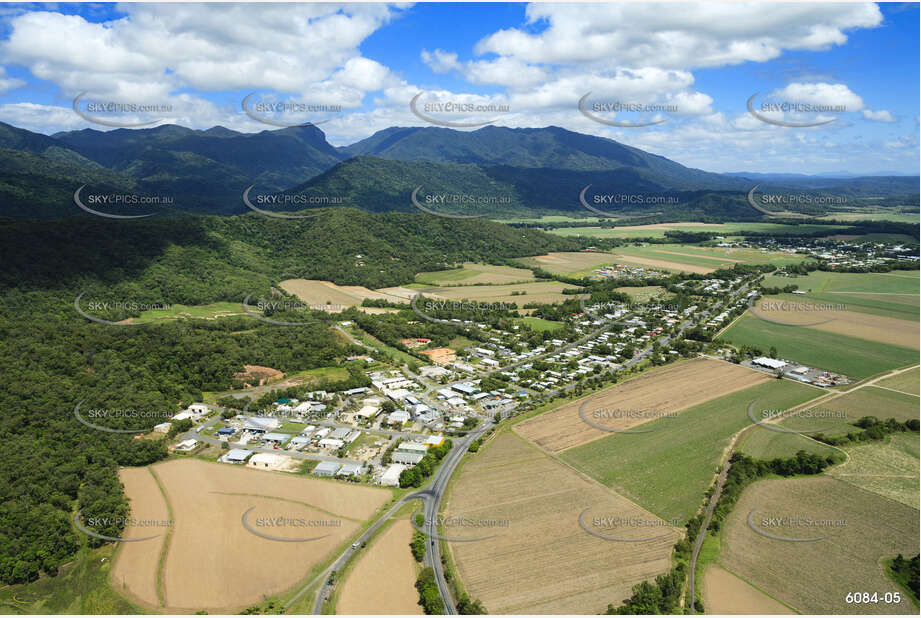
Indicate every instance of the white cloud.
{"type": "Point", "coordinates": [686, 35]}
{"type": "Point", "coordinates": [9, 83]}
{"type": "Point", "coordinates": [157, 49]}
{"type": "Point", "coordinates": [440, 61]}
{"type": "Point", "coordinates": [880, 115]}
{"type": "Point", "coordinates": [818, 93]}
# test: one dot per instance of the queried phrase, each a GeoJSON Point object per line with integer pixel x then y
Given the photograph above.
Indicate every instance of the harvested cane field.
{"type": "Point", "coordinates": [543, 561]}
{"type": "Point", "coordinates": [315, 292]}
{"type": "Point", "coordinates": [382, 580]}
{"type": "Point", "coordinates": [724, 593]}
{"type": "Point", "coordinates": [135, 570]}
{"type": "Point", "coordinates": [207, 502]}
{"type": "Point", "coordinates": [636, 401]}
{"type": "Point", "coordinates": [856, 528]}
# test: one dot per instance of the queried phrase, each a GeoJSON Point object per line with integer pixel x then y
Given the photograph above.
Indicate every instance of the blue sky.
{"type": "Point", "coordinates": [691, 67]}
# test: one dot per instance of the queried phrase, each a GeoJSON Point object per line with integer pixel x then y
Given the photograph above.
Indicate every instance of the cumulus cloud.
{"type": "Point", "coordinates": [440, 61]}
{"type": "Point", "coordinates": [880, 115]}
{"type": "Point", "coordinates": [9, 83]}
{"type": "Point", "coordinates": [682, 36]}
{"type": "Point", "coordinates": [156, 49]}
{"type": "Point", "coordinates": [820, 94]}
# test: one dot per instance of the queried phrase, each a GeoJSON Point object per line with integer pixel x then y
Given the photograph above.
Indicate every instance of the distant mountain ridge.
{"type": "Point", "coordinates": [514, 171]}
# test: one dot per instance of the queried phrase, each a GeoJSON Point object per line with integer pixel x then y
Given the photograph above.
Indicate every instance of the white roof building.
{"type": "Point", "coordinates": [398, 416]}
{"type": "Point", "coordinates": [368, 412]}
{"type": "Point", "coordinates": [391, 476]}
{"type": "Point", "coordinates": [772, 363]}
{"type": "Point", "coordinates": [186, 445]}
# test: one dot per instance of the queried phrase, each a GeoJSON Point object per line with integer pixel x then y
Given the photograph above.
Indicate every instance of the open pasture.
{"type": "Point", "coordinates": [889, 468]}
{"type": "Point", "coordinates": [906, 382]}
{"type": "Point", "coordinates": [569, 262]}
{"type": "Point", "coordinates": [473, 273]}
{"type": "Point", "coordinates": [518, 294]}
{"type": "Point", "coordinates": [657, 230]}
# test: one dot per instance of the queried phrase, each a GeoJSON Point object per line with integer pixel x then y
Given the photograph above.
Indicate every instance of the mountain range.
{"type": "Point", "coordinates": [493, 171]}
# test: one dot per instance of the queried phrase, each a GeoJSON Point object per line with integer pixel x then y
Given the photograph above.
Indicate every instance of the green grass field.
{"type": "Point", "coordinates": [767, 444]}
{"type": "Point", "coordinates": [201, 312]}
{"type": "Point", "coordinates": [81, 587]}
{"type": "Point", "coordinates": [662, 252]}
{"type": "Point", "coordinates": [889, 468]}
{"type": "Point", "coordinates": [835, 417]}
{"type": "Point", "coordinates": [474, 273]}
{"type": "Point", "coordinates": [907, 382]}
{"type": "Point", "coordinates": [539, 324]}
{"type": "Point", "coordinates": [856, 358]}
{"type": "Point", "coordinates": [551, 219]}
{"type": "Point", "coordinates": [889, 306]}
{"type": "Point", "coordinates": [667, 470]}
{"type": "Point", "coordinates": [896, 282]}
{"type": "Point", "coordinates": [322, 373]}
{"type": "Point", "coordinates": [725, 229]}
{"type": "Point", "coordinates": [875, 214]}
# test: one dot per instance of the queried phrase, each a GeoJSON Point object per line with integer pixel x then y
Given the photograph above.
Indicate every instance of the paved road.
{"type": "Point", "coordinates": [431, 498]}
{"type": "Point", "coordinates": [436, 490]}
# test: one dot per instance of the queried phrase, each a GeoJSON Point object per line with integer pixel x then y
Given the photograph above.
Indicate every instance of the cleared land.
{"type": "Point", "coordinates": [658, 229]}
{"type": "Point", "coordinates": [519, 294]}
{"type": "Point", "coordinates": [815, 577]}
{"type": "Point", "coordinates": [212, 311]}
{"type": "Point", "coordinates": [668, 469]}
{"type": "Point", "coordinates": [848, 408]}
{"type": "Point", "coordinates": [633, 259]}
{"type": "Point", "coordinates": [382, 580]}
{"type": "Point", "coordinates": [315, 292]}
{"type": "Point", "coordinates": [637, 401]}
{"type": "Point", "coordinates": [208, 501]}
{"type": "Point", "coordinates": [565, 263]}
{"type": "Point", "coordinates": [767, 444]}
{"type": "Point", "coordinates": [736, 254]}
{"type": "Point", "coordinates": [135, 570]}
{"type": "Point", "coordinates": [889, 468]}
{"type": "Point", "coordinates": [642, 293]}
{"type": "Point", "coordinates": [895, 282]}
{"type": "Point", "coordinates": [473, 273]}
{"type": "Point", "coordinates": [540, 324]}
{"type": "Point", "coordinates": [724, 593]}
{"type": "Point", "coordinates": [856, 358]}
{"type": "Point", "coordinates": [842, 319]}
{"type": "Point", "coordinates": [907, 382]}
{"type": "Point", "coordinates": [543, 561]}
